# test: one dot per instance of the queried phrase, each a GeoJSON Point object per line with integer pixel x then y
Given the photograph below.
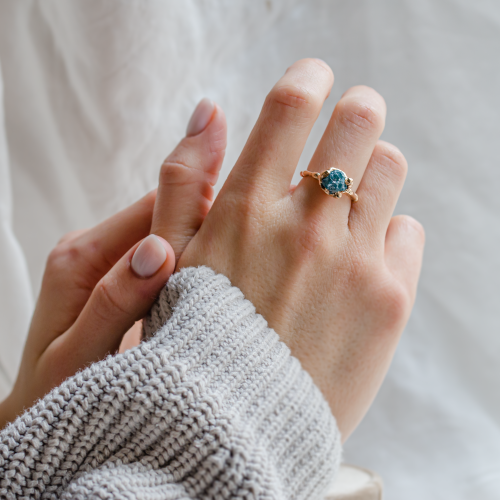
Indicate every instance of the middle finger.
{"type": "Point", "coordinates": [270, 156]}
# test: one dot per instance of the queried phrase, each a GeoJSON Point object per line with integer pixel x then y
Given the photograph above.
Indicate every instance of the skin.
{"type": "Point", "coordinates": [335, 280]}
{"type": "Point", "coordinates": [90, 296]}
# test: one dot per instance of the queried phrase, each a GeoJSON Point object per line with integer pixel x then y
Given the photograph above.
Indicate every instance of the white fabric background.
{"type": "Point", "coordinates": [96, 93]}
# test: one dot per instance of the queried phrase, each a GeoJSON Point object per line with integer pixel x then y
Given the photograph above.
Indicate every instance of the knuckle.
{"type": "Point", "coordinates": [322, 64]}
{"type": "Point", "coordinates": [68, 264]}
{"type": "Point", "coordinates": [392, 302]}
{"type": "Point", "coordinates": [176, 173]}
{"type": "Point", "coordinates": [391, 158]}
{"type": "Point", "coordinates": [293, 98]}
{"type": "Point", "coordinates": [109, 298]}
{"type": "Point", "coordinates": [361, 115]}
{"type": "Point", "coordinates": [63, 257]}
{"type": "Point", "coordinates": [385, 297]}
{"type": "Point", "coordinates": [413, 224]}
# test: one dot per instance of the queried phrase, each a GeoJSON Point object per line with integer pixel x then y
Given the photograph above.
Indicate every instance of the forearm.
{"type": "Point", "coordinates": [212, 402]}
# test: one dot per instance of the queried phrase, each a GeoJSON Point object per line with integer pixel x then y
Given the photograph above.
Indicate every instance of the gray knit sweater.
{"type": "Point", "coordinates": [211, 406]}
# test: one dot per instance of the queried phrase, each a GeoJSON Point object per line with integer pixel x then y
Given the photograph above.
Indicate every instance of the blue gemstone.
{"type": "Point", "coordinates": [334, 182]}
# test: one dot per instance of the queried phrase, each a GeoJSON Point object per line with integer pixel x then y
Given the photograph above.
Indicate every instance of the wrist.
{"type": "Point", "coordinates": [7, 412]}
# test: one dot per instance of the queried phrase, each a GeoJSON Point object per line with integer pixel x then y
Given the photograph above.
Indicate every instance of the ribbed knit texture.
{"type": "Point", "coordinates": [211, 406]}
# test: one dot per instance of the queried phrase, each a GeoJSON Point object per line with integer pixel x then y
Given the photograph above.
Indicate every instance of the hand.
{"type": "Point", "coordinates": [335, 279]}
{"type": "Point", "coordinates": [98, 282]}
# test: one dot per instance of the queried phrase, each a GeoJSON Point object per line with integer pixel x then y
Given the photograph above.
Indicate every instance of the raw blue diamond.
{"type": "Point", "coordinates": [334, 182]}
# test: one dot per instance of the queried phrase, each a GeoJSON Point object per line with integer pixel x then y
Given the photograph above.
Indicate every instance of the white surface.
{"type": "Point", "coordinates": [354, 483]}
{"type": "Point", "coordinates": [97, 93]}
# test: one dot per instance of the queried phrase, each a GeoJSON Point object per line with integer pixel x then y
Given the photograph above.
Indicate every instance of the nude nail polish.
{"type": "Point", "coordinates": [149, 257]}
{"type": "Point", "coordinates": [201, 117]}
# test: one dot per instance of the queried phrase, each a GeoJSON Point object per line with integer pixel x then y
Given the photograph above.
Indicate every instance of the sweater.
{"type": "Point", "coordinates": [211, 405]}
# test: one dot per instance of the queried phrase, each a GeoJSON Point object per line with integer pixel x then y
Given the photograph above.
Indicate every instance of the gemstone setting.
{"type": "Point", "coordinates": [334, 181]}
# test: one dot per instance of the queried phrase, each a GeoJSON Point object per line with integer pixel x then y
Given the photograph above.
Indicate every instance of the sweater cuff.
{"type": "Point", "coordinates": [278, 431]}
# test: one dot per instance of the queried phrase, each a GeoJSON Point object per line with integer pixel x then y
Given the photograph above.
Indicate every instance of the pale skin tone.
{"type": "Point", "coordinates": [90, 295]}
{"type": "Point", "coordinates": [336, 280]}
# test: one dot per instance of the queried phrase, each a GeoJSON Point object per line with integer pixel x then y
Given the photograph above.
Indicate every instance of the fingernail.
{"type": "Point", "coordinates": [200, 117]}
{"type": "Point", "coordinates": [149, 257]}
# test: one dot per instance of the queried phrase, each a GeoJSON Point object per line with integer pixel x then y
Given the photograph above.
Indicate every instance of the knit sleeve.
{"type": "Point", "coordinates": [210, 406]}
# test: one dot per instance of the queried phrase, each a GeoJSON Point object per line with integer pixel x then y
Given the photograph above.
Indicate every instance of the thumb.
{"type": "Point", "coordinates": [122, 297]}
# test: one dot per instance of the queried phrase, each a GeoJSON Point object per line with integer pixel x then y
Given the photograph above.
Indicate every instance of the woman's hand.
{"type": "Point", "coordinates": [99, 282]}
{"type": "Point", "coordinates": [336, 280]}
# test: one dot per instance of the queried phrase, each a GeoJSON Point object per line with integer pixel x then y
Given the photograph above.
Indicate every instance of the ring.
{"type": "Point", "coordinates": [333, 182]}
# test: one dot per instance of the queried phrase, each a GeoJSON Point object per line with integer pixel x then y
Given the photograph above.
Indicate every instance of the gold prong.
{"type": "Point", "coordinates": [353, 196]}
{"type": "Point", "coordinates": [349, 181]}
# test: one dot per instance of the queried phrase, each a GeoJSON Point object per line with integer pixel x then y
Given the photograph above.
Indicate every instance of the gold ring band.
{"type": "Point", "coordinates": [333, 182]}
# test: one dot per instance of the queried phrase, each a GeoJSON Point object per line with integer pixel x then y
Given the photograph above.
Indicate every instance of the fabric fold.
{"type": "Point", "coordinates": [211, 405]}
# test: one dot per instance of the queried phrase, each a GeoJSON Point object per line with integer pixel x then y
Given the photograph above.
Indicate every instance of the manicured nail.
{"type": "Point", "coordinates": [149, 257]}
{"type": "Point", "coordinates": [201, 117]}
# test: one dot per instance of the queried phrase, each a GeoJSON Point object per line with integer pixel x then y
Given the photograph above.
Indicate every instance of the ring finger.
{"type": "Point", "coordinates": [347, 144]}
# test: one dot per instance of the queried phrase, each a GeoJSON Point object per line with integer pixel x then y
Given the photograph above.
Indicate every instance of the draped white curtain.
{"type": "Point", "coordinates": [96, 93]}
